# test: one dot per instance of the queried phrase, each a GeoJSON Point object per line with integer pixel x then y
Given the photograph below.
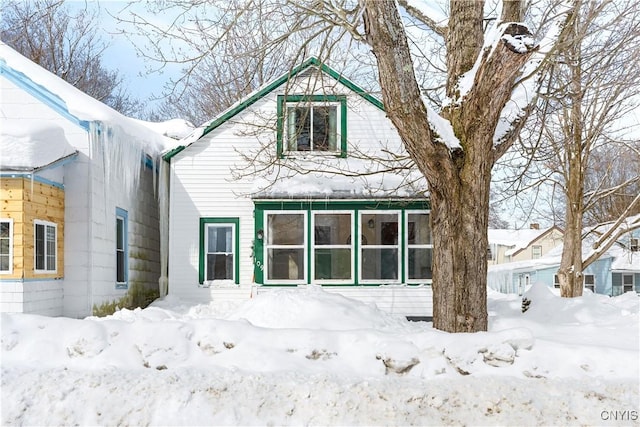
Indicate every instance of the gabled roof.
{"type": "Point", "coordinates": [518, 240]}
{"type": "Point", "coordinates": [262, 92]}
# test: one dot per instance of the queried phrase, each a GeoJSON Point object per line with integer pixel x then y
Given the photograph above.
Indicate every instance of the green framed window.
{"type": "Point", "coordinates": [380, 253]}
{"type": "Point", "coordinates": [122, 249]}
{"type": "Point", "coordinates": [313, 242]}
{"type": "Point", "coordinates": [219, 249]}
{"type": "Point", "coordinates": [286, 247]}
{"type": "Point", "coordinates": [6, 245]}
{"type": "Point", "coordinates": [312, 124]}
{"type": "Point", "coordinates": [45, 247]}
{"type": "Point", "coordinates": [332, 247]}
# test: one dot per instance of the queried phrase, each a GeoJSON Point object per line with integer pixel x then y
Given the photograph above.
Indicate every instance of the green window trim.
{"type": "Point", "coordinates": [355, 208]}
{"type": "Point", "coordinates": [282, 102]}
{"type": "Point", "coordinates": [236, 246]}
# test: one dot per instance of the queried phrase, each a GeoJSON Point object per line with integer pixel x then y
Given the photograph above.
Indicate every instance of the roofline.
{"type": "Point", "coordinates": [541, 235]}
{"type": "Point", "coordinates": [41, 93]}
{"type": "Point", "coordinates": [33, 170]}
{"type": "Point", "coordinates": [313, 61]}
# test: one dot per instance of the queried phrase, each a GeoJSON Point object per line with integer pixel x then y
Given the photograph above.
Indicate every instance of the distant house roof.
{"type": "Point", "coordinates": [261, 92]}
{"type": "Point", "coordinates": [72, 103]}
{"type": "Point", "coordinates": [517, 240]}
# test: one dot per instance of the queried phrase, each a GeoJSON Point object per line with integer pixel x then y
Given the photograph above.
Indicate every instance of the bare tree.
{"type": "Point", "coordinates": [579, 143]}
{"type": "Point", "coordinates": [66, 43]}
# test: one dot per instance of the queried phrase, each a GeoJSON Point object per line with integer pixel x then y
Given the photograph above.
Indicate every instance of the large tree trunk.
{"type": "Point", "coordinates": [458, 178]}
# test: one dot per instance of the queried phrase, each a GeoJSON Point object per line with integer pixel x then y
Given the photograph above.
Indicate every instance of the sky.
{"type": "Point", "coordinates": [309, 357]}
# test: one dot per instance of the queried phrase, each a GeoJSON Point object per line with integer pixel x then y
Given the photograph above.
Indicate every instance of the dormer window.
{"type": "Point", "coordinates": [312, 124]}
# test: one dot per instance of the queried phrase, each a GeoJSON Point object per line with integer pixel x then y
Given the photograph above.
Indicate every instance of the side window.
{"type": "Point", "coordinates": [219, 260]}
{"type": "Point", "coordinates": [627, 282]}
{"type": "Point", "coordinates": [536, 251]}
{"type": "Point", "coordinates": [45, 246]}
{"type": "Point", "coordinates": [219, 247]}
{"type": "Point", "coordinates": [6, 246]}
{"type": "Point", "coordinates": [590, 282]}
{"type": "Point", "coordinates": [122, 245]}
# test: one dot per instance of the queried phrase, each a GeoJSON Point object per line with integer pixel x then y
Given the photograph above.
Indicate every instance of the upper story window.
{"type": "Point", "coordinates": [45, 246]}
{"type": "Point", "coordinates": [312, 124]}
{"type": "Point", "coordinates": [536, 251]}
{"type": "Point", "coordinates": [6, 246]}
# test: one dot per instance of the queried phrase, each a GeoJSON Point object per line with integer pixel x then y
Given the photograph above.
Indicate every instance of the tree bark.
{"type": "Point", "coordinates": [458, 178]}
{"type": "Point", "coordinates": [570, 273]}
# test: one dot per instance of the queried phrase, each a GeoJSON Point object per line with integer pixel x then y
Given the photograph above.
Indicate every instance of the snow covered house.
{"type": "Point", "coordinates": [303, 182]}
{"type": "Point", "coordinates": [79, 223]}
{"type": "Point", "coordinates": [518, 245]}
{"type": "Point", "coordinates": [615, 272]}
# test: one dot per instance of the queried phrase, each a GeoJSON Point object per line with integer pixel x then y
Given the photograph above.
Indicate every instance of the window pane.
{"type": "Point", "coordinates": [420, 262]}
{"type": "Point", "coordinates": [285, 229]}
{"type": "Point", "coordinates": [299, 128]}
{"type": "Point", "coordinates": [39, 246]}
{"type": "Point", "coordinates": [4, 246]}
{"type": "Point", "coordinates": [119, 233]}
{"type": "Point", "coordinates": [627, 279]}
{"type": "Point", "coordinates": [220, 238]}
{"type": "Point", "coordinates": [324, 122]}
{"type": "Point", "coordinates": [286, 264]}
{"type": "Point", "coordinates": [4, 230]}
{"type": "Point", "coordinates": [4, 262]}
{"type": "Point", "coordinates": [120, 266]}
{"type": "Point", "coordinates": [332, 229]}
{"type": "Point", "coordinates": [219, 267]}
{"type": "Point", "coordinates": [379, 264]}
{"type": "Point", "coordinates": [333, 264]}
{"type": "Point", "coordinates": [419, 232]}
{"type": "Point", "coordinates": [589, 279]}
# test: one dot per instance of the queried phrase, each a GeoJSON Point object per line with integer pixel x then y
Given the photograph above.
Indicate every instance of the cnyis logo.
{"type": "Point", "coordinates": [619, 415]}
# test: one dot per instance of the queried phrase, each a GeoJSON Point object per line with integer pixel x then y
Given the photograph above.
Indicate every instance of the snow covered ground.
{"type": "Point", "coordinates": [308, 357]}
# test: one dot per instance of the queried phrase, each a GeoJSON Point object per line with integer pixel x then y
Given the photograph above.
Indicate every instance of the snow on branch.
{"type": "Point", "coordinates": [622, 226]}
{"type": "Point", "coordinates": [441, 129]}
{"type": "Point", "coordinates": [426, 12]}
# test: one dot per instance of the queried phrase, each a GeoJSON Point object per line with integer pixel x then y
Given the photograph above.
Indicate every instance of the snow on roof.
{"type": "Point", "coordinates": [77, 103]}
{"type": "Point", "coordinates": [31, 144]}
{"type": "Point", "coordinates": [173, 128]}
{"type": "Point", "coordinates": [333, 184]}
{"type": "Point", "coordinates": [519, 239]}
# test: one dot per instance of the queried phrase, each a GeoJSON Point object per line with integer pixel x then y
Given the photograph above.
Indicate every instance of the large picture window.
{"type": "Point", "coordinates": [45, 246]}
{"type": "Point", "coordinates": [380, 248]}
{"type": "Point", "coordinates": [286, 247]}
{"type": "Point", "coordinates": [122, 274]}
{"type": "Point", "coordinates": [419, 247]}
{"type": "Point", "coordinates": [6, 246]}
{"type": "Point", "coordinates": [332, 247]}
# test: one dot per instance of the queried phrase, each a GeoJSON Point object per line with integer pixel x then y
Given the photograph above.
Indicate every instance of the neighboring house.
{"type": "Point", "coordinates": [79, 221]}
{"type": "Point", "coordinates": [286, 188]}
{"type": "Point", "coordinates": [519, 245]}
{"type": "Point", "coordinates": [616, 271]}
